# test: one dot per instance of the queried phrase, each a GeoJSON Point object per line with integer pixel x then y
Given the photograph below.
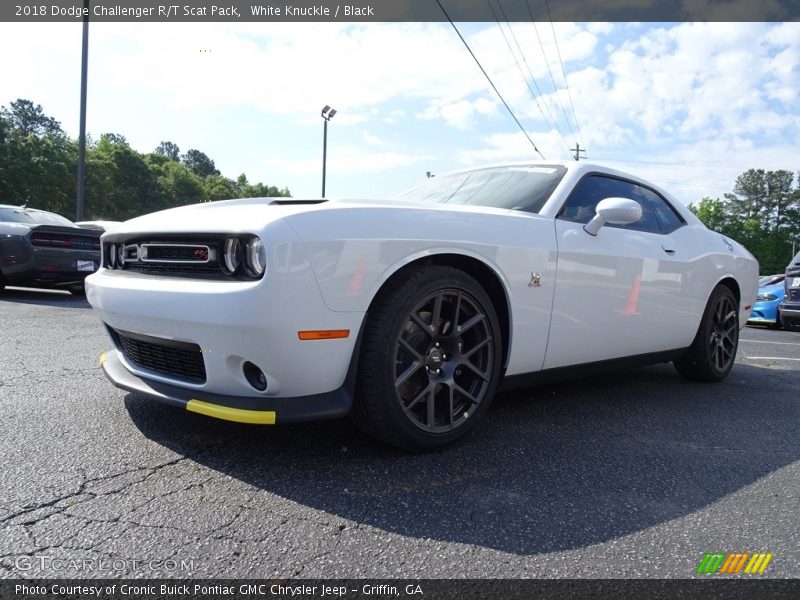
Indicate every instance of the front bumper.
{"type": "Point", "coordinates": [257, 410]}
{"type": "Point", "coordinates": [232, 323]}
{"type": "Point", "coordinates": [764, 312]}
{"type": "Point", "coordinates": [790, 312]}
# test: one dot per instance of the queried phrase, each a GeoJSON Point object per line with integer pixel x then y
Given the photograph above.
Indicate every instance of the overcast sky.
{"type": "Point", "coordinates": [703, 100]}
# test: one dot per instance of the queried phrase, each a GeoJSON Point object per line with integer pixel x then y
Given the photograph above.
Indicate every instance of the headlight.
{"type": "Point", "coordinates": [255, 257]}
{"type": "Point", "coordinates": [121, 255]}
{"type": "Point", "coordinates": [766, 297]}
{"type": "Point", "coordinates": [112, 256]}
{"type": "Point", "coordinates": [231, 255]}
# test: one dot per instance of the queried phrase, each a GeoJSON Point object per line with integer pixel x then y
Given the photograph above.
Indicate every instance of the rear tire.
{"type": "Point", "coordinates": [713, 351]}
{"type": "Point", "coordinates": [430, 359]}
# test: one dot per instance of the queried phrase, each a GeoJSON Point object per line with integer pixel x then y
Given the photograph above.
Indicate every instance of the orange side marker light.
{"type": "Point", "coordinates": [325, 334]}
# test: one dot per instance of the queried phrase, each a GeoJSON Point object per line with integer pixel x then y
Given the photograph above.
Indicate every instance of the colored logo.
{"type": "Point", "coordinates": [734, 562]}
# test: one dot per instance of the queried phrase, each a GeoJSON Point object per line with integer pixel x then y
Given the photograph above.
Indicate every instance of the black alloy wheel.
{"type": "Point", "coordinates": [713, 351]}
{"type": "Point", "coordinates": [443, 361]}
{"type": "Point", "coordinates": [724, 337]}
{"type": "Point", "coordinates": [430, 359]}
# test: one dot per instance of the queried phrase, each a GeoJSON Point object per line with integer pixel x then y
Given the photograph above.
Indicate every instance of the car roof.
{"type": "Point", "coordinates": [22, 208]}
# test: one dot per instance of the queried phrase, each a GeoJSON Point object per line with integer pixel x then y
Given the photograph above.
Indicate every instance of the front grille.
{"type": "Point", "coordinates": [174, 269]}
{"type": "Point", "coordinates": [175, 256]}
{"type": "Point", "coordinates": [794, 295]}
{"type": "Point", "coordinates": [176, 253]}
{"type": "Point", "coordinates": [180, 360]}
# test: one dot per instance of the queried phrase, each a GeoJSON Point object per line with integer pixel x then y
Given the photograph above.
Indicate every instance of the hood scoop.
{"type": "Point", "coordinates": [293, 201]}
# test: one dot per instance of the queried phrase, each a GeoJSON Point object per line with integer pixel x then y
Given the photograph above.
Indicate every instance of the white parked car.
{"type": "Point", "coordinates": [410, 313]}
{"type": "Point", "coordinates": [99, 225]}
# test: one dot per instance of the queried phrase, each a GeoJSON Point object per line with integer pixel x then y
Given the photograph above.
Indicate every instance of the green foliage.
{"type": "Point", "coordinates": [38, 166]}
{"type": "Point", "coordinates": [199, 163]}
{"type": "Point", "coordinates": [37, 160]}
{"type": "Point", "coordinates": [26, 118]}
{"type": "Point", "coordinates": [763, 213]}
{"type": "Point", "coordinates": [169, 150]}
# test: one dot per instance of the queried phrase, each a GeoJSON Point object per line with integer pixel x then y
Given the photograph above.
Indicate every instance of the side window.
{"type": "Point", "coordinates": [657, 215]}
{"type": "Point", "coordinates": [668, 219]}
{"type": "Point", "coordinates": [581, 204]}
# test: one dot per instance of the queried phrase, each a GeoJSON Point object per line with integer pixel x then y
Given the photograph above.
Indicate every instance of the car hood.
{"type": "Point", "coordinates": [233, 216]}
{"type": "Point", "coordinates": [252, 214]}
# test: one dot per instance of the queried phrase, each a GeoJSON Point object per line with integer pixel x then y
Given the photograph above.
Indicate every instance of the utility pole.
{"type": "Point", "coordinates": [82, 134]}
{"type": "Point", "coordinates": [577, 150]}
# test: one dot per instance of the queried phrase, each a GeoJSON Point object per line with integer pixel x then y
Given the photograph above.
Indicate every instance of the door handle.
{"type": "Point", "coordinates": [668, 245]}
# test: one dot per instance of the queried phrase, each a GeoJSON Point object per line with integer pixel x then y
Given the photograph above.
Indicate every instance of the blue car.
{"type": "Point", "coordinates": [770, 294]}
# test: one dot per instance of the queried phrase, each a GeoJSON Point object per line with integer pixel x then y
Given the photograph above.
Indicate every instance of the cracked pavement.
{"type": "Point", "coordinates": [629, 475]}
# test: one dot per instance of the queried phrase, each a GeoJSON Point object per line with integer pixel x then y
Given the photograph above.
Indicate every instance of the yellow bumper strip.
{"type": "Point", "coordinates": [239, 415]}
{"type": "Point", "coordinates": [103, 358]}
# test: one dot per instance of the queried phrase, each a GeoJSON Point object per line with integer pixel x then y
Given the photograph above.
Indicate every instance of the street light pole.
{"type": "Point", "coordinates": [324, 153]}
{"type": "Point", "coordinates": [82, 134]}
{"type": "Point", "coordinates": [327, 115]}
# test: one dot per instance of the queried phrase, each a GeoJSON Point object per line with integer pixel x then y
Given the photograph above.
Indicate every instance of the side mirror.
{"type": "Point", "coordinates": [620, 211]}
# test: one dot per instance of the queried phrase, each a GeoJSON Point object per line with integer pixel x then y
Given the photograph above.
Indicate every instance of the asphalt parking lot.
{"type": "Point", "coordinates": [631, 475]}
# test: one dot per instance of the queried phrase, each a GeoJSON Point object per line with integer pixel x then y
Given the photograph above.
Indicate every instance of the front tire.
{"type": "Point", "coordinates": [430, 359]}
{"type": "Point", "coordinates": [713, 351]}
{"type": "Point", "coordinates": [777, 324]}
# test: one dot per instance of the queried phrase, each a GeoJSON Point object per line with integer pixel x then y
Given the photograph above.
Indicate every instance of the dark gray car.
{"type": "Point", "coordinates": [43, 249]}
{"type": "Point", "coordinates": [790, 308]}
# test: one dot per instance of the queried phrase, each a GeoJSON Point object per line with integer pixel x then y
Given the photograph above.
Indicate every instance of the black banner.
{"type": "Point", "coordinates": [423, 589]}
{"type": "Point", "coordinates": [398, 10]}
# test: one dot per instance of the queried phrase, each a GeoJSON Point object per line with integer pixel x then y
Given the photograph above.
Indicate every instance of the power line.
{"type": "Point", "coordinates": [547, 64]}
{"type": "Point", "coordinates": [489, 79]}
{"type": "Point", "coordinates": [563, 70]}
{"type": "Point", "coordinates": [668, 164]}
{"type": "Point", "coordinates": [551, 123]}
{"type": "Point", "coordinates": [690, 184]}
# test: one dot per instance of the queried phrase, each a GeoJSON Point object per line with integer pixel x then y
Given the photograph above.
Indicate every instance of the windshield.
{"type": "Point", "coordinates": [33, 217]}
{"type": "Point", "coordinates": [518, 188]}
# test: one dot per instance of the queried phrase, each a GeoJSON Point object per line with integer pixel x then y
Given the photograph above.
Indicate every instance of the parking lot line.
{"type": "Point", "coordinates": [769, 358]}
{"type": "Point", "coordinates": [764, 342]}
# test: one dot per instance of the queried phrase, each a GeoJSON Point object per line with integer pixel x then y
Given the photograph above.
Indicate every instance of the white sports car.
{"type": "Point", "coordinates": [410, 313]}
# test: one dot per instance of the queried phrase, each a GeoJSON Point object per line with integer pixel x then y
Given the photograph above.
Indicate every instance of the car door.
{"type": "Point", "coordinates": [617, 294]}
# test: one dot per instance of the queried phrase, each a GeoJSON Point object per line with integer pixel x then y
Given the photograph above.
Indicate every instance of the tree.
{"type": "Point", "coordinates": [711, 211]}
{"type": "Point", "coordinates": [120, 183]}
{"type": "Point", "coordinates": [779, 198]}
{"type": "Point", "coordinates": [29, 118]}
{"type": "Point", "coordinates": [169, 150]}
{"type": "Point", "coordinates": [38, 162]}
{"type": "Point", "coordinates": [217, 187]}
{"type": "Point", "coordinates": [114, 139]}
{"type": "Point", "coordinates": [763, 213]}
{"type": "Point", "coordinates": [179, 184]}
{"type": "Point", "coordinates": [200, 164]}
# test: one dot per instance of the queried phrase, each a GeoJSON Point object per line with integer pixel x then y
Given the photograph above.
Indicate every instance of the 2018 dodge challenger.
{"type": "Point", "coordinates": [410, 313]}
{"type": "Point", "coordinates": [45, 250]}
